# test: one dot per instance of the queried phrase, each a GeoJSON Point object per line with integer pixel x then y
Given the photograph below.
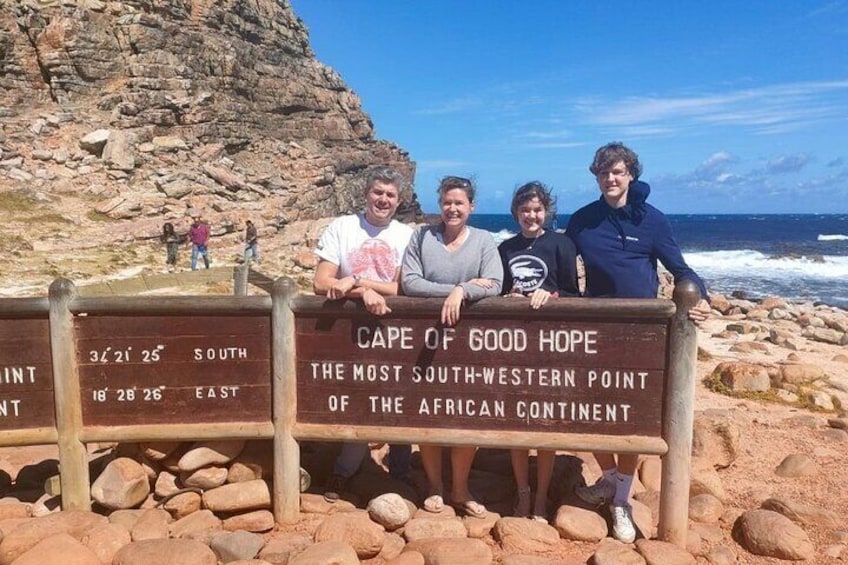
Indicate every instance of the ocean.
{"type": "Point", "coordinates": [796, 256]}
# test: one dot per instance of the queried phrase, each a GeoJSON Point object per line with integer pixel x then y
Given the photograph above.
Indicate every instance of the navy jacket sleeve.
{"type": "Point", "coordinates": [669, 254]}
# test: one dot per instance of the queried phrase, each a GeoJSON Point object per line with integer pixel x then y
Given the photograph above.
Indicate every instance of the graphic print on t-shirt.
{"type": "Point", "coordinates": [528, 272]}
{"type": "Point", "coordinates": [374, 260]}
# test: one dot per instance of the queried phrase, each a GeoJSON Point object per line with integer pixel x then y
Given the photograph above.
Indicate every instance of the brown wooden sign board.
{"type": "Point", "coordinates": [26, 375]}
{"type": "Point", "coordinates": [566, 376]}
{"type": "Point", "coordinates": [174, 369]}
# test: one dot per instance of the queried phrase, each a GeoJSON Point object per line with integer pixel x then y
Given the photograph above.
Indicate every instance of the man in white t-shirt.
{"type": "Point", "coordinates": [360, 257]}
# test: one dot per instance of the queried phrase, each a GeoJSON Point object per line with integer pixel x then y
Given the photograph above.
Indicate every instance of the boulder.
{"type": "Point", "coordinates": [715, 440]}
{"type": "Point", "coordinates": [106, 540]}
{"type": "Point", "coordinates": [663, 553]}
{"type": "Point", "coordinates": [354, 529]}
{"type": "Point", "coordinates": [742, 376]}
{"type": "Point", "coordinates": [152, 524]}
{"type": "Point", "coordinates": [763, 532]}
{"type": "Point", "coordinates": [27, 535]}
{"type": "Point", "coordinates": [203, 454]}
{"type": "Point", "coordinates": [231, 546]}
{"type": "Point", "coordinates": [238, 497]}
{"type": "Point", "coordinates": [256, 521]}
{"type": "Point", "coordinates": [326, 552]}
{"type": "Point", "coordinates": [705, 508]}
{"type": "Point", "coordinates": [165, 552]}
{"type": "Point", "coordinates": [579, 524]}
{"type": "Point", "coordinates": [389, 510]}
{"type": "Point", "coordinates": [796, 465]}
{"type": "Point", "coordinates": [803, 514]}
{"type": "Point", "coordinates": [452, 551]}
{"type": "Point", "coordinates": [520, 535]}
{"type": "Point", "coordinates": [613, 552]}
{"type": "Point", "coordinates": [122, 484]}
{"type": "Point", "coordinates": [800, 373]}
{"type": "Point", "coordinates": [60, 548]}
{"type": "Point", "coordinates": [281, 547]}
{"type": "Point", "coordinates": [423, 528]}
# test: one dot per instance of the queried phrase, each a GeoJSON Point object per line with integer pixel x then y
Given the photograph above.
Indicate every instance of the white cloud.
{"type": "Point", "coordinates": [455, 106]}
{"type": "Point", "coordinates": [787, 164]}
{"type": "Point", "coordinates": [767, 109]}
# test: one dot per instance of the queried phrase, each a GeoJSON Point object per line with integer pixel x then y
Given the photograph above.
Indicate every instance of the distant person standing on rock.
{"type": "Point", "coordinates": [360, 257]}
{"type": "Point", "coordinates": [621, 237]}
{"type": "Point", "coordinates": [251, 244]}
{"type": "Point", "coordinates": [198, 235]}
{"type": "Point", "coordinates": [172, 243]}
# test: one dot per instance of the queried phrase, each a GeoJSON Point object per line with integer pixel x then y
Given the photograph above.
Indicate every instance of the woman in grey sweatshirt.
{"type": "Point", "coordinates": [460, 263]}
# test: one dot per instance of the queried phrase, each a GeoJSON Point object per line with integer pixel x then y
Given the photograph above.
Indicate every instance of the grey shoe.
{"type": "Point", "coordinates": [598, 494]}
{"type": "Point", "coordinates": [335, 487]}
{"type": "Point", "coordinates": [623, 528]}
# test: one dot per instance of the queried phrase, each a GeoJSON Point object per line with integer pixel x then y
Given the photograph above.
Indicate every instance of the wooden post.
{"type": "Point", "coordinates": [678, 417]}
{"type": "Point", "coordinates": [286, 495]}
{"type": "Point", "coordinates": [73, 457]}
{"type": "Point", "coordinates": [241, 274]}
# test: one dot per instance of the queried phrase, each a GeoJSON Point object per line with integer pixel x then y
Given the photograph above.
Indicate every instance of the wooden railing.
{"type": "Point", "coordinates": [579, 374]}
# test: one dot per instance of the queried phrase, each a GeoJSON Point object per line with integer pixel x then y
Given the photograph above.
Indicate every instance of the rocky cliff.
{"type": "Point", "coordinates": [118, 116]}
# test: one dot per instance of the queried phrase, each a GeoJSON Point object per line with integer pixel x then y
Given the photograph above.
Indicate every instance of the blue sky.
{"type": "Point", "coordinates": [733, 107]}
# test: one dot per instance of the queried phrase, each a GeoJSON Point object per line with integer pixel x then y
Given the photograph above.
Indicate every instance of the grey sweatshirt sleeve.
{"type": "Point", "coordinates": [491, 268]}
{"type": "Point", "coordinates": [412, 271]}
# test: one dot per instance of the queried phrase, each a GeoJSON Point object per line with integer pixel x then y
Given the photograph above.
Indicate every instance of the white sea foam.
{"type": "Point", "coordinates": [832, 237]}
{"type": "Point", "coordinates": [744, 262]}
{"type": "Point", "coordinates": [502, 235]}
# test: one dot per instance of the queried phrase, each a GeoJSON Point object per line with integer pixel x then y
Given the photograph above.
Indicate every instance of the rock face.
{"type": "Point", "coordinates": [152, 109]}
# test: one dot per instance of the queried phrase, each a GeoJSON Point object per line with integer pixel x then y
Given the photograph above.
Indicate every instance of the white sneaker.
{"type": "Point", "coordinates": [623, 528]}
{"type": "Point", "coordinates": [599, 494]}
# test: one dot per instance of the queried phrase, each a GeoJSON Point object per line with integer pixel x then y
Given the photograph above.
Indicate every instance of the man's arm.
{"type": "Point", "coordinates": [326, 278]}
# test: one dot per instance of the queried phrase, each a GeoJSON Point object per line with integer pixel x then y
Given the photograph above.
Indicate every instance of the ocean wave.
{"type": "Point", "coordinates": [501, 235]}
{"type": "Point", "coordinates": [748, 262]}
{"type": "Point", "coordinates": [832, 237]}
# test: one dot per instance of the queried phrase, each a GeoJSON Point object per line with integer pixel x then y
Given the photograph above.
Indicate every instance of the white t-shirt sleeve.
{"type": "Point", "coordinates": [329, 247]}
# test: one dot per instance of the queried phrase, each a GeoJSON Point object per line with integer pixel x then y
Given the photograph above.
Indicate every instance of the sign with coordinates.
{"type": "Point", "coordinates": [174, 369]}
{"type": "Point", "coordinates": [594, 377]}
{"type": "Point", "coordinates": [26, 375]}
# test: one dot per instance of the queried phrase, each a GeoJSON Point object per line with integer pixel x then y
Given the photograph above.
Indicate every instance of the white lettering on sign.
{"type": "Point", "coordinates": [10, 408]}
{"type": "Point", "coordinates": [439, 406]}
{"type": "Point", "coordinates": [386, 404]}
{"type": "Point", "coordinates": [506, 339]}
{"type": "Point", "coordinates": [220, 353]}
{"type": "Point", "coordinates": [380, 337]}
{"type": "Point", "coordinates": [17, 375]}
{"type": "Point", "coordinates": [617, 379]}
{"type": "Point", "coordinates": [327, 371]}
{"type": "Point", "coordinates": [572, 411]}
{"type": "Point", "coordinates": [568, 341]}
{"type": "Point", "coordinates": [222, 392]}
{"type": "Point", "coordinates": [338, 403]}
{"type": "Point", "coordinates": [373, 373]}
{"type": "Point", "coordinates": [125, 355]}
{"type": "Point", "coordinates": [436, 338]}
{"type": "Point", "coordinates": [515, 376]}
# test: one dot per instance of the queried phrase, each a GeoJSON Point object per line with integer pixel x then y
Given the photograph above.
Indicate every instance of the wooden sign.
{"type": "Point", "coordinates": [174, 369]}
{"type": "Point", "coordinates": [26, 375]}
{"type": "Point", "coordinates": [567, 375]}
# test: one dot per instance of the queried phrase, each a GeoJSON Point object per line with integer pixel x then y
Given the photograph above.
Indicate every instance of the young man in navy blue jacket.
{"type": "Point", "coordinates": [620, 237]}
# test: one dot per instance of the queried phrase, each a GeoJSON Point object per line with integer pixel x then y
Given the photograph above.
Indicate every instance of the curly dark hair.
{"type": "Point", "coordinates": [607, 156]}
